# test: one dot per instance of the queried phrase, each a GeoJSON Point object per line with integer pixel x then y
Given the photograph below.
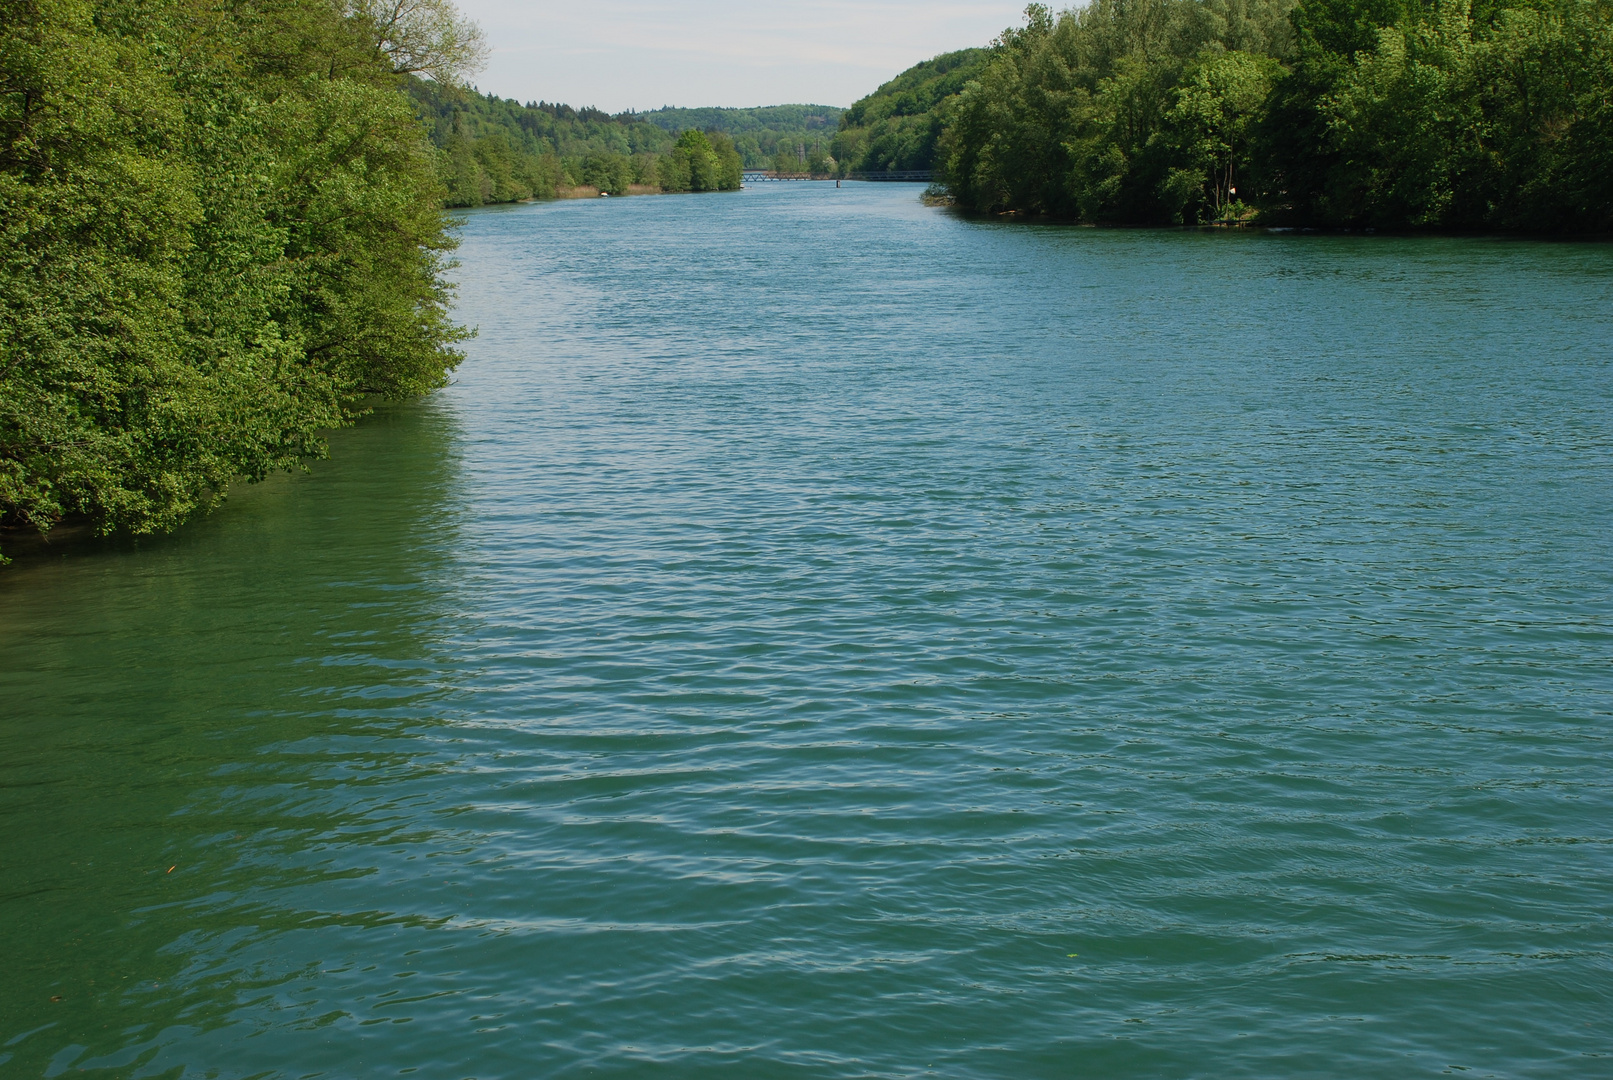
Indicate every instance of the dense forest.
{"type": "Point", "coordinates": [898, 127]}
{"type": "Point", "coordinates": [497, 150]}
{"type": "Point", "coordinates": [223, 228]}
{"type": "Point", "coordinates": [764, 136]}
{"type": "Point", "coordinates": [1391, 114]}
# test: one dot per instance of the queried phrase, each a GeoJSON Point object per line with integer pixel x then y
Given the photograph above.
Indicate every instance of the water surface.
{"type": "Point", "coordinates": [819, 636]}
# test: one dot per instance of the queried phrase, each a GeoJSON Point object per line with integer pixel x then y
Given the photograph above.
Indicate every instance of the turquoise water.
{"type": "Point", "coordinates": [820, 636]}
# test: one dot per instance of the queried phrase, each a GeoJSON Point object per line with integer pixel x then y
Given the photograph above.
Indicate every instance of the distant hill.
{"type": "Point", "coordinates": [820, 118]}
{"type": "Point", "coordinates": [898, 126]}
{"type": "Point", "coordinates": [759, 134]}
{"type": "Point", "coordinates": [537, 127]}
{"type": "Point", "coordinates": [493, 149]}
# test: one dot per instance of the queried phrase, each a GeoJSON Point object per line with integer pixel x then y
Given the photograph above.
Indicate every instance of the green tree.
{"type": "Point", "coordinates": [730, 166]}
{"type": "Point", "coordinates": [898, 127]}
{"type": "Point", "coordinates": [1213, 120]}
{"type": "Point", "coordinates": [790, 160]}
{"type": "Point", "coordinates": [610, 173]}
{"type": "Point", "coordinates": [222, 229]}
{"type": "Point", "coordinates": [701, 162]}
{"type": "Point", "coordinates": [1406, 119]}
{"type": "Point", "coordinates": [427, 37]}
{"type": "Point", "coordinates": [1383, 113]}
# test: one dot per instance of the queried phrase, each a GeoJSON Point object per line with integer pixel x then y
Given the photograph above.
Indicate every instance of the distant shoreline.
{"type": "Point", "coordinates": [586, 191]}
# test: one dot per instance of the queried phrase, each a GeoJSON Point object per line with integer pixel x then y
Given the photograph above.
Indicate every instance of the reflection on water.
{"type": "Point", "coordinates": [205, 733]}
{"type": "Point", "coordinates": [819, 636]}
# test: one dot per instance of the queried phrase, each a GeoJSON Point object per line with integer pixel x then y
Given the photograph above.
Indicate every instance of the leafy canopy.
{"type": "Point", "coordinates": [222, 229]}
{"type": "Point", "coordinates": [1465, 114]}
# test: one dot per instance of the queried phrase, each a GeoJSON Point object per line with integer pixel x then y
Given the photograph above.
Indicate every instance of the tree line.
{"type": "Point", "coordinates": [762, 136]}
{"type": "Point", "coordinates": [1390, 114]}
{"type": "Point", "coordinates": [222, 230]}
{"type": "Point", "coordinates": [496, 150]}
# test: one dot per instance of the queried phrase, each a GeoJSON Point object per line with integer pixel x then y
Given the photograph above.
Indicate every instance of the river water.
{"type": "Point", "coordinates": [817, 635]}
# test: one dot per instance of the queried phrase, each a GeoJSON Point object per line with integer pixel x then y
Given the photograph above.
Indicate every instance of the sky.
{"type": "Point", "coordinates": [643, 54]}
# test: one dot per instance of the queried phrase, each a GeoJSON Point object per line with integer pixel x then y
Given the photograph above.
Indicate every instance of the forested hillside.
{"type": "Point", "coordinates": [222, 228]}
{"type": "Point", "coordinates": [761, 135]}
{"type": "Point", "coordinates": [1394, 114]}
{"type": "Point", "coordinates": [898, 126]}
{"type": "Point", "coordinates": [498, 150]}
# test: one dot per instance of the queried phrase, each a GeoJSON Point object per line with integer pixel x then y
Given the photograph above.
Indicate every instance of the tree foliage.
{"type": "Point", "coordinates": [761, 135]}
{"type": "Point", "coordinates": [701, 162]}
{"type": "Point", "coordinates": [496, 150]}
{"type": "Point", "coordinates": [1467, 114]}
{"type": "Point", "coordinates": [1126, 110]}
{"type": "Point", "coordinates": [898, 127]}
{"type": "Point", "coordinates": [428, 37]}
{"type": "Point", "coordinates": [222, 230]}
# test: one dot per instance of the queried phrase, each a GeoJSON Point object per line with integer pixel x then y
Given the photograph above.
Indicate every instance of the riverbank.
{"type": "Point", "coordinates": [23, 542]}
{"type": "Point", "coordinates": [150, 357]}
{"type": "Point", "coordinates": [588, 191]}
{"type": "Point", "coordinates": [1322, 117]}
{"type": "Point", "coordinates": [697, 161]}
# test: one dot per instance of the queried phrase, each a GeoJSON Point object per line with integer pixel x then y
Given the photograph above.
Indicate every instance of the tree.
{"type": "Point", "coordinates": [427, 37]}
{"type": "Point", "coordinates": [1213, 121]}
{"type": "Point", "coordinates": [701, 162]}
{"type": "Point", "coordinates": [222, 228]}
{"type": "Point", "coordinates": [1468, 114]}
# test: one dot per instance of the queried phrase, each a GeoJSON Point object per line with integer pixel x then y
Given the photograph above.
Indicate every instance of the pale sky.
{"type": "Point", "coordinates": [643, 54]}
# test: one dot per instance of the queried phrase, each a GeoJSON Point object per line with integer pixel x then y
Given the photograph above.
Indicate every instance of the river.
{"type": "Point", "coordinates": [817, 635]}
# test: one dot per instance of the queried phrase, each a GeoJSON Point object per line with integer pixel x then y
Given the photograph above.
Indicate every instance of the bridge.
{"type": "Point", "coordinates": [909, 176]}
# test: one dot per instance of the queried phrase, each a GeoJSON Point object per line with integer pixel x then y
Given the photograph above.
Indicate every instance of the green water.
{"type": "Point", "coordinates": [809, 619]}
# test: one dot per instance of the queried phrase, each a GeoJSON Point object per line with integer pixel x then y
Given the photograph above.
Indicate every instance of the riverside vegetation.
{"type": "Point", "coordinates": [1392, 114]}
{"type": "Point", "coordinates": [782, 137]}
{"type": "Point", "coordinates": [495, 150]}
{"type": "Point", "coordinates": [222, 229]}
{"type": "Point", "coordinates": [899, 126]}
